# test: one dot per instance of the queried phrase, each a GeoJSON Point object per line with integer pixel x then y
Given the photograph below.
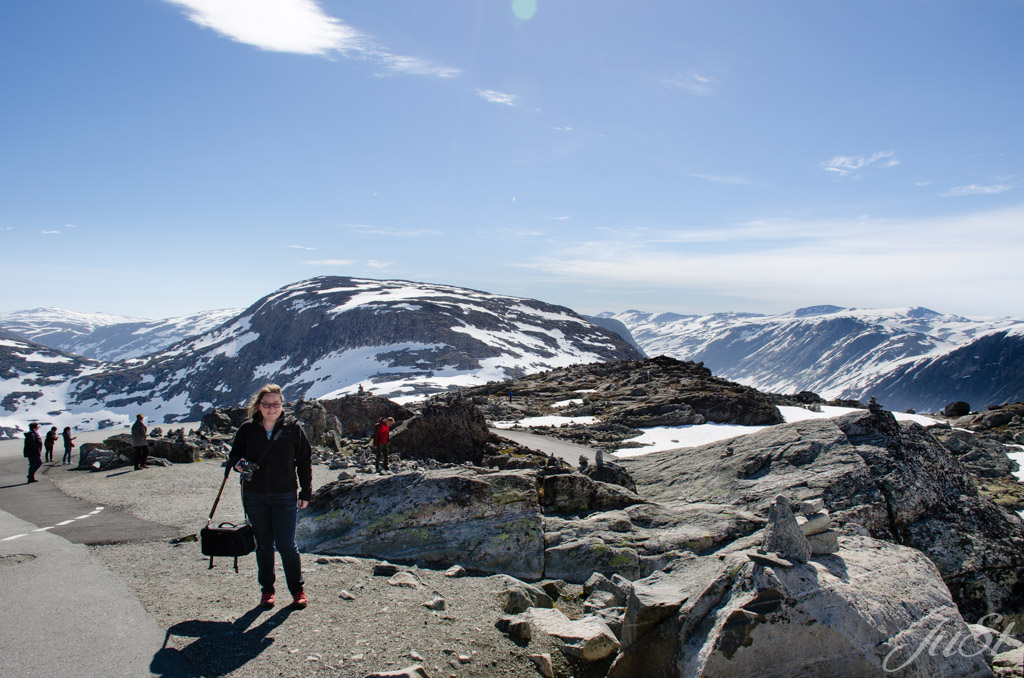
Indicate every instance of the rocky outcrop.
{"type": "Point", "coordinates": [359, 412]}
{"type": "Point", "coordinates": [448, 430]}
{"type": "Point", "coordinates": [625, 396]}
{"type": "Point", "coordinates": [518, 522]}
{"type": "Point", "coordinates": [483, 521]}
{"type": "Point", "coordinates": [895, 483]}
{"type": "Point", "coordinates": [842, 615]}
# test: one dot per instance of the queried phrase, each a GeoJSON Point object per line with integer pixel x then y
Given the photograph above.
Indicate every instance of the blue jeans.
{"type": "Point", "coordinates": [273, 518]}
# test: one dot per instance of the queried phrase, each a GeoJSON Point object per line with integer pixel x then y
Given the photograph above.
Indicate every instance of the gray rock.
{"type": "Point", "coordinates": [897, 482]}
{"type": "Point", "coordinates": [814, 523]}
{"type": "Point", "coordinates": [783, 536]}
{"type": "Point", "coordinates": [517, 596]}
{"type": "Point", "coordinates": [415, 671]}
{"type": "Point", "coordinates": [490, 521]}
{"type": "Point", "coordinates": [543, 664]}
{"type": "Point", "coordinates": [824, 543]}
{"type": "Point", "coordinates": [588, 638]}
{"type": "Point", "coordinates": [436, 603]}
{"type": "Point", "coordinates": [712, 616]}
{"type": "Point", "coordinates": [405, 580]}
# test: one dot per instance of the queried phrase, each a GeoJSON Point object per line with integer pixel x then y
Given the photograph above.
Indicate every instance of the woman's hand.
{"type": "Point", "coordinates": [303, 503]}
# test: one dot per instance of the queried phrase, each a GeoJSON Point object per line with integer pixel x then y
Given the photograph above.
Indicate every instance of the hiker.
{"type": "Point", "coordinates": [49, 442]}
{"type": "Point", "coordinates": [33, 450]}
{"type": "Point", "coordinates": [68, 445]}
{"type": "Point", "coordinates": [284, 466]}
{"type": "Point", "coordinates": [381, 440]}
{"type": "Point", "coordinates": [140, 446]}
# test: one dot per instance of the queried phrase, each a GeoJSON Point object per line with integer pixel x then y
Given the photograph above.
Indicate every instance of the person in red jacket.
{"type": "Point", "coordinates": [381, 438]}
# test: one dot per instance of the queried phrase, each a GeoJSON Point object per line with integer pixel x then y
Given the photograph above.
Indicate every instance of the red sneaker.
{"type": "Point", "coordinates": [300, 601]}
{"type": "Point", "coordinates": [267, 600]}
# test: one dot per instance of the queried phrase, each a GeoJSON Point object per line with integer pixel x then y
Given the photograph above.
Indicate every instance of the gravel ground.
{"type": "Point", "coordinates": [355, 624]}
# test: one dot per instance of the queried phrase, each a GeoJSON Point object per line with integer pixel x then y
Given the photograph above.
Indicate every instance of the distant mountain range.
{"type": "Point", "coordinates": [907, 358]}
{"type": "Point", "coordinates": [317, 338]}
{"type": "Point", "coordinates": [331, 335]}
{"type": "Point", "coordinates": [104, 336]}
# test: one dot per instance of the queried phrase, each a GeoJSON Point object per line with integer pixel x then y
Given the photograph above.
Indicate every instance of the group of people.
{"type": "Point", "coordinates": [35, 446]}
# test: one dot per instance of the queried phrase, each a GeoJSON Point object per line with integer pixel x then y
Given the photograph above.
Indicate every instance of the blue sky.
{"type": "Point", "coordinates": [163, 157]}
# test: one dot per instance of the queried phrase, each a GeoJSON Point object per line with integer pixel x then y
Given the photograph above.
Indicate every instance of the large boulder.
{"type": "Point", "coordinates": [487, 521]}
{"type": "Point", "coordinates": [357, 413]}
{"type": "Point", "coordinates": [447, 430]}
{"type": "Point", "coordinates": [841, 615]}
{"type": "Point", "coordinates": [897, 482]}
{"type": "Point", "coordinates": [179, 450]}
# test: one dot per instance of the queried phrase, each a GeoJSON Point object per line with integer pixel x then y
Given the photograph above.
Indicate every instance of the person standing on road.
{"type": "Point", "coordinates": [33, 450]}
{"type": "Point", "coordinates": [68, 444]}
{"type": "Point", "coordinates": [49, 442]}
{"type": "Point", "coordinates": [139, 444]}
{"type": "Point", "coordinates": [284, 466]}
{"type": "Point", "coordinates": [381, 440]}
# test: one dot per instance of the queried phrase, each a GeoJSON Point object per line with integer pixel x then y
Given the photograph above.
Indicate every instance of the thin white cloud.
{"type": "Point", "coordinates": [496, 97]}
{"type": "Point", "coordinates": [300, 247]}
{"type": "Point", "coordinates": [976, 189]}
{"type": "Point", "coordinates": [379, 265]}
{"type": "Point", "coordinates": [845, 165]}
{"type": "Point", "coordinates": [861, 261]}
{"type": "Point", "coordinates": [392, 232]}
{"type": "Point", "coordinates": [299, 27]}
{"type": "Point", "coordinates": [562, 129]}
{"type": "Point", "coordinates": [50, 232]}
{"type": "Point", "coordinates": [732, 180]}
{"type": "Point", "coordinates": [691, 82]}
{"type": "Point", "coordinates": [329, 262]}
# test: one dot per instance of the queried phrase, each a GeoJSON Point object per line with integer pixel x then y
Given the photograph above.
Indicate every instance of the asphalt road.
{"type": "Point", "coordinates": [63, 612]}
{"type": "Point", "coordinates": [570, 452]}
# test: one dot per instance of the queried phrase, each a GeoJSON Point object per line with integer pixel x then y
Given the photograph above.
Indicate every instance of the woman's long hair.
{"type": "Point", "coordinates": [254, 403]}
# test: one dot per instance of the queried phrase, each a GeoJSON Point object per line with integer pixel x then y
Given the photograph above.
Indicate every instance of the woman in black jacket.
{"type": "Point", "coordinates": [282, 452]}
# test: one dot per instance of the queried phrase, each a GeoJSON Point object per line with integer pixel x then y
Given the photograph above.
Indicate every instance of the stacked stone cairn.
{"type": "Point", "coordinates": [798, 536]}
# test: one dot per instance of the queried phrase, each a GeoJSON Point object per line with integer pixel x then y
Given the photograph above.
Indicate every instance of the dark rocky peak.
{"type": "Point", "coordinates": [810, 311]}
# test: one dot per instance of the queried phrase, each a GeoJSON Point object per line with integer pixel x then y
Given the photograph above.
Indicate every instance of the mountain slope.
{"type": "Point", "coordinates": [104, 336]}
{"type": "Point", "coordinates": [900, 356]}
{"type": "Point", "coordinates": [331, 335]}
{"type": "Point", "coordinates": [34, 381]}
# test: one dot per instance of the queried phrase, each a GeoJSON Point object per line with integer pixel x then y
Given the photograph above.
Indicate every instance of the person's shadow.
{"type": "Point", "coordinates": [220, 648]}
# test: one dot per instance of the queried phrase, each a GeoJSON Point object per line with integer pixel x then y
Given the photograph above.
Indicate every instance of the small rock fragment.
{"type": "Point", "coordinates": [544, 665]}
{"type": "Point", "coordinates": [455, 571]}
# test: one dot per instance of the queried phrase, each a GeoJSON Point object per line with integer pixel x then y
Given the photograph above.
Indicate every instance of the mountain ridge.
{"type": "Point", "coordinates": [843, 353]}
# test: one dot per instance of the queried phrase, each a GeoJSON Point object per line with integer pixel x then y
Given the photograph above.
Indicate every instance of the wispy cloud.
{"type": "Point", "coordinates": [845, 165]}
{"type": "Point", "coordinates": [496, 97]}
{"type": "Point", "coordinates": [379, 265]}
{"type": "Point", "coordinates": [733, 180]}
{"type": "Point", "coordinates": [692, 82]}
{"type": "Point", "coordinates": [300, 247]}
{"type": "Point", "coordinates": [977, 189]}
{"type": "Point", "coordinates": [50, 232]}
{"type": "Point", "coordinates": [566, 128]}
{"type": "Point", "coordinates": [329, 262]}
{"type": "Point", "coordinates": [300, 27]}
{"type": "Point", "coordinates": [870, 261]}
{"type": "Point", "coordinates": [392, 232]}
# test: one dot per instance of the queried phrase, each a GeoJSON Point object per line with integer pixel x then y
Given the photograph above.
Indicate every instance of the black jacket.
{"type": "Point", "coordinates": [33, 444]}
{"type": "Point", "coordinates": [285, 457]}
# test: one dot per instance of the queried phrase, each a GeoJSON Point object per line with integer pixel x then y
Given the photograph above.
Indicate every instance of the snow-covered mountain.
{"type": "Point", "coordinates": [34, 383]}
{"type": "Point", "coordinates": [329, 336]}
{"type": "Point", "coordinates": [104, 336]}
{"type": "Point", "coordinates": [905, 357]}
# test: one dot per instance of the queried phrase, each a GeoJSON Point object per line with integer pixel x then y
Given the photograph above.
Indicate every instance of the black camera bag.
{"type": "Point", "coordinates": [228, 539]}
